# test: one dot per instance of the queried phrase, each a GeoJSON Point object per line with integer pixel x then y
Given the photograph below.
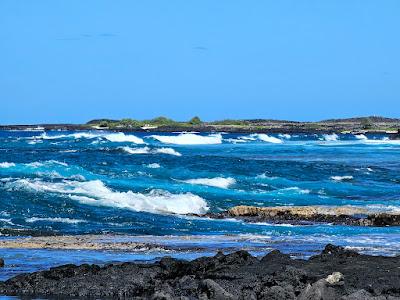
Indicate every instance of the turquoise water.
{"type": "Point", "coordinates": [143, 184]}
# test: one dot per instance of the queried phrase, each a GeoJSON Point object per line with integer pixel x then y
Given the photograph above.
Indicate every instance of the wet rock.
{"type": "Point", "coordinates": [348, 215]}
{"type": "Point", "coordinates": [1, 262]}
{"type": "Point", "coordinates": [277, 292]}
{"type": "Point", "coordinates": [336, 273]}
{"type": "Point", "coordinates": [364, 295]}
{"type": "Point", "coordinates": [214, 291]}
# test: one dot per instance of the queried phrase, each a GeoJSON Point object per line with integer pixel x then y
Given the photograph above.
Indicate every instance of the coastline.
{"type": "Point", "coordinates": [335, 273]}
{"type": "Point", "coordinates": [361, 125]}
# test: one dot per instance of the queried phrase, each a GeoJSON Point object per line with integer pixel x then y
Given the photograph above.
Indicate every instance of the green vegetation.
{"type": "Point", "coordinates": [231, 122]}
{"type": "Point", "coordinates": [367, 123]}
{"type": "Point", "coordinates": [195, 121]}
{"type": "Point", "coordinates": [131, 123]}
{"type": "Point", "coordinates": [372, 123]}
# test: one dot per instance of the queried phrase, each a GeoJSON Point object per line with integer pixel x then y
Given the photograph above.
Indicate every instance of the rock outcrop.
{"type": "Point", "coordinates": [345, 215]}
{"type": "Point", "coordinates": [336, 273]}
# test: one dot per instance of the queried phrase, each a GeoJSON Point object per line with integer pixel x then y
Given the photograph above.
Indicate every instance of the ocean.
{"type": "Point", "coordinates": [144, 186]}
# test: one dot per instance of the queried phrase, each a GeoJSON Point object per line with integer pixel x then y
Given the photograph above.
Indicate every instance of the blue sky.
{"type": "Point", "coordinates": [74, 60]}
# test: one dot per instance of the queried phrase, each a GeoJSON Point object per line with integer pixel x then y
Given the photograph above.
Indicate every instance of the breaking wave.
{"type": "Point", "coordinates": [330, 137]}
{"type": "Point", "coordinates": [147, 150]}
{"type": "Point", "coordinates": [96, 193]}
{"type": "Point", "coordinates": [342, 178]}
{"type": "Point", "coordinates": [119, 137]}
{"type": "Point", "coordinates": [266, 138]}
{"type": "Point", "coordinates": [360, 137]}
{"type": "Point", "coordinates": [5, 165]}
{"type": "Point", "coordinates": [153, 166]}
{"type": "Point", "coordinates": [189, 139]}
{"type": "Point", "coordinates": [219, 182]}
{"type": "Point", "coordinates": [57, 220]}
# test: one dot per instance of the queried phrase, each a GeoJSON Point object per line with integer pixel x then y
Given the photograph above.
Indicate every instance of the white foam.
{"type": "Point", "coordinates": [219, 182]}
{"type": "Point", "coordinates": [121, 137]}
{"type": "Point", "coordinates": [77, 135]}
{"type": "Point", "coordinates": [342, 178]}
{"type": "Point", "coordinates": [360, 137]}
{"type": "Point", "coordinates": [248, 138]}
{"type": "Point", "coordinates": [235, 141]}
{"type": "Point", "coordinates": [169, 151]}
{"type": "Point", "coordinates": [8, 221]}
{"type": "Point", "coordinates": [5, 165]}
{"type": "Point", "coordinates": [285, 136]}
{"type": "Point", "coordinates": [267, 138]}
{"type": "Point", "coordinates": [95, 192]}
{"type": "Point", "coordinates": [143, 150]}
{"type": "Point", "coordinates": [295, 189]}
{"type": "Point", "coordinates": [189, 139]}
{"type": "Point", "coordinates": [330, 137]}
{"type": "Point", "coordinates": [384, 208]}
{"type": "Point", "coordinates": [58, 220]}
{"type": "Point", "coordinates": [147, 150]}
{"type": "Point", "coordinates": [37, 164]}
{"type": "Point", "coordinates": [153, 166]}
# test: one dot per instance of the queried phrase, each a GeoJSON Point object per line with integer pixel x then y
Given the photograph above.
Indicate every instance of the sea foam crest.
{"type": "Point", "coordinates": [55, 220]}
{"type": "Point", "coordinates": [330, 137]}
{"type": "Point", "coordinates": [95, 192]}
{"type": "Point", "coordinates": [219, 182]}
{"type": "Point", "coordinates": [285, 136]}
{"type": "Point", "coordinates": [342, 178]}
{"type": "Point", "coordinates": [119, 137]}
{"type": "Point", "coordinates": [189, 139]}
{"type": "Point", "coordinates": [360, 137]}
{"type": "Point", "coordinates": [5, 165]}
{"type": "Point", "coordinates": [147, 150]}
{"type": "Point", "coordinates": [266, 138]}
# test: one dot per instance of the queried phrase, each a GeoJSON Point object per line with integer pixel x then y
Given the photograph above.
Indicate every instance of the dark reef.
{"type": "Point", "coordinates": [335, 273]}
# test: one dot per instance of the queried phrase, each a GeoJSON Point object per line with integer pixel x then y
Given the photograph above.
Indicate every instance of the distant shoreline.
{"type": "Point", "coordinates": [362, 125]}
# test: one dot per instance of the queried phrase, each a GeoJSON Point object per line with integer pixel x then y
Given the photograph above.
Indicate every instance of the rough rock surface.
{"type": "Point", "coordinates": [347, 215]}
{"type": "Point", "coordinates": [336, 273]}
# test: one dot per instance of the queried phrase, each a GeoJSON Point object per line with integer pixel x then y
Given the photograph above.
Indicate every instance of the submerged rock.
{"type": "Point", "coordinates": [1, 262]}
{"type": "Point", "coordinates": [336, 273]}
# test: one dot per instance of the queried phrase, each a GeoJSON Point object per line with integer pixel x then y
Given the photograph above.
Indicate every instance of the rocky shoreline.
{"type": "Point", "coordinates": [361, 125]}
{"type": "Point", "coordinates": [303, 215]}
{"type": "Point", "coordinates": [336, 273]}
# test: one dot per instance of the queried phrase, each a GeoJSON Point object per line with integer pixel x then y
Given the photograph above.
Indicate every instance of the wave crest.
{"type": "Point", "coordinates": [119, 137]}
{"type": "Point", "coordinates": [330, 137]}
{"type": "Point", "coordinates": [189, 139]}
{"type": "Point", "coordinates": [147, 150]}
{"type": "Point", "coordinates": [95, 192]}
{"type": "Point", "coordinates": [342, 178]}
{"type": "Point", "coordinates": [266, 138]}
{"type": "Point", "coordinates": [219, 182]}
{"type": "Point", "coordinates": [5, 165]}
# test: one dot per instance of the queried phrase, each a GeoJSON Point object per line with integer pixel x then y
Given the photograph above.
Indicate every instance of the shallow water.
{"type": "Point", "coordinates": [143, 184]}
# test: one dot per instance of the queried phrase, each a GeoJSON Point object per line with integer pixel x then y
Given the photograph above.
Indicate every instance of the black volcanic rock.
{"type": "Point", "coordinates": [336, 273]}
{"type": "Point", "coordinates": [343, 215]}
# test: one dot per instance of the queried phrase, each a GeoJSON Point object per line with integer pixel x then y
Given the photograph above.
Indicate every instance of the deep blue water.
{"type": "Point", "coordinates": [143, 184]}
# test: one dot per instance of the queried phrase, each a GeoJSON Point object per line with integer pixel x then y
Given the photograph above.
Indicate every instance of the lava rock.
{"type": "Point", "coordinates": [336, 273]}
